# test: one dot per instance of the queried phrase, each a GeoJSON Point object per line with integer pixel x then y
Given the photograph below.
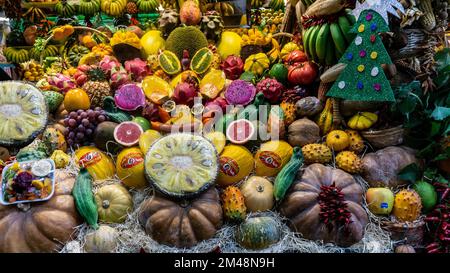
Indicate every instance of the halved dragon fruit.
{"type": "Point", "coordinates": [240, 92]}
{"type": "Point", "coordinates": [129, 97]}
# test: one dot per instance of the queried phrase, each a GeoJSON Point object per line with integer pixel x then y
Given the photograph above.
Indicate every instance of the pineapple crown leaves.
{"type": "Point", "coordinates": [96, 74]}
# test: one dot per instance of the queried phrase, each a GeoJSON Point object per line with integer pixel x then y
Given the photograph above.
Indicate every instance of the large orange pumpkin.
{"type": "Point", "coordinates": [45, 226]}
{"type": "Point", "coordinates": [325, 205]}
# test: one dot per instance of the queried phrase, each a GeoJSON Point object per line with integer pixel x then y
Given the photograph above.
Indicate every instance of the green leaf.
{"type": "Point", "coordinates": [410, 173]}
{"type": "Point", "coordinates": [442, 58]}
{"type": "Point", "coordinates": [440, 113]}
{"type": "Point", "coordinates": [435, 128]}
{"type": "Point", "coordinates": [407, 105]}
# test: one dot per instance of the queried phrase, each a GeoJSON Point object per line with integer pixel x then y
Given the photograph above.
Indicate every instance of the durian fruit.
{"type": "Point", "coordinates": [316, 153]}
{"type": "Point", "coordinates": [186, 38]}
{"type": "Point", "coordinates": [233, 204]}
{"type": "Point", "coordinates": [212, 25]}
{"type": "Point", "coordinates": [168, 21]}
{"type": "Point", "coordinates": [349, 162]}
{"type": "Point", "coordinates": [356, 141]}
{"type": "Point", "coordinates": [407, 205]}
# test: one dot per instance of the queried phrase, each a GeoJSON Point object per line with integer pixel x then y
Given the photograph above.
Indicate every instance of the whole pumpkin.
{"type": "Point", "coordinates": [182, 224]}
{"type": "Point", "coordinates": [321, 193]}
{"type": "Point", "coordinates": [46, 226]}
{"type": "Point", "coordinates": [257, 63]}
{"type": "Point", "coordinates": [303, 73]}
{"type": "Point", "coordinates": [113, 203]}
{"type": "Point", "coordinates": [258, 194]}
{"type": "Point", "coordinates": [296, 56]}
{"type": "Point", "coordinates": [102, 240]}
{"type": "Point", "coordinates": [380, 169]}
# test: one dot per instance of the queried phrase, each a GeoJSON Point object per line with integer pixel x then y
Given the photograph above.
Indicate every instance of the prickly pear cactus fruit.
{"type": "Point", "coordinates": [407, 205]}
{"type": "Point", "coordinates": [233, 204]}
{"type": "Point", "coordinates": [316, 153]}
{"type": "Point", "coordinates": [349, 162]}
{"type": "Point", "coordinates": [356, 141]}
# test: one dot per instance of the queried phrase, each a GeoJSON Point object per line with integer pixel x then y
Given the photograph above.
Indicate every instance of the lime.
{"type": "Point", "coordinates": [427, 194]}
{"type": "Point", "coordinates": [143, 122]}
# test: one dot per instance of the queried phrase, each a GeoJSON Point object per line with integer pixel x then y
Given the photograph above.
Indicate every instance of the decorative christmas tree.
{"type": "Point", "coordinates": [363, 78]}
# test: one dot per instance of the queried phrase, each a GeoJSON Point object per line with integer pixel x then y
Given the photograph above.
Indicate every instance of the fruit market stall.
{"type": "Point", "coordinates": [317, 126]}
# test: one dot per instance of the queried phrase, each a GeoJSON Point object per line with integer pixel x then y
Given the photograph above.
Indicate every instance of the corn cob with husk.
{"type": "Point", "coordinates": [428, 20]}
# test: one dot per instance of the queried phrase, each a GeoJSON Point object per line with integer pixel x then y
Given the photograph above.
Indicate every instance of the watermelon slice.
{"type": "Point", "coordinates": [240, 131]}
{"type": "Point", "coordinates": [129, 97]}
{"type": "Point", "coordinates": [128, 133]}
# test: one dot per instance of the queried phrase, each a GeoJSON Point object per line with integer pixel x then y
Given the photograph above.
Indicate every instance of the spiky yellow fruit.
{"type": "Point", "coordinates": [356, 141]}
{"type": "Point", "coordinates": [289, 111]}
{"type": "Point", "coordinates": [349, 162]}
{"type": "Point", "coordinates": [233, 204]}
{"type": "Point", "coordinates": [316, 153]}
{"type": "Point", "coordinates": [407, 205]}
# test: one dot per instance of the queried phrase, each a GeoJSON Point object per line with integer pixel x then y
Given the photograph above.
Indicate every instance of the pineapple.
{"type": "Point", "coordinates": [182, 164]}
{"type": "Point", "coordinates": [316, 153]}
{"type": "Point", "coordinates": [132, 8]}
{"type": "Point", "coordinates": [349, 162]}
{"type": "Point", "coordinates": [97, 87]}
{"type": "Point", "coordinates": [233, 204]}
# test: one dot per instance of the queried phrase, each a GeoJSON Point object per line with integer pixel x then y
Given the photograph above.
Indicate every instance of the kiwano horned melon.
{"type": "Point", "coordinates": [186, 38]}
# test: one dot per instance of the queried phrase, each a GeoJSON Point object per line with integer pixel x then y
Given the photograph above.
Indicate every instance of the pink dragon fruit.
{"type": "Point", "coordinates": [217, 102]}
{"type": "Point", "coordinates": [81, 76]}
{"type": "Point", "coordinates": [63, 83]}
{"type": "Point", "coordinates": [233, 67]}
{"type": "Point", "coordinates": [138, 69]}
{"type": "Point", "coordinates": [271, 89]}
{"type": "Point", "coordinates": [108, 63]}
{"type": "Point", "coordinates": [185, 93]}
{"type": "Point", "coordinates": [119, 77]}
{"type": "Point", "coordinates": [240, 92]}
{"type": "Point", "coordinates": [129, 97]}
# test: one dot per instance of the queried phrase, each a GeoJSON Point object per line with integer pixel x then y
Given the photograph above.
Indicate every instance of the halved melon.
{"type": "Point", "coordinates": [23, 113]}
{"type": "Point", "coordinates": [182, 165]}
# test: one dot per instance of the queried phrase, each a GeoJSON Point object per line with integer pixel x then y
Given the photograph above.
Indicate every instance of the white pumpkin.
{"type": "Point", "coordinates": [258, 194]}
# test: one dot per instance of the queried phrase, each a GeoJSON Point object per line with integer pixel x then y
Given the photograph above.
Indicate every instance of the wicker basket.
{"type": "Point", "coordinates": [384, 138]}
{"type": "Point", "coordinates": [410, 233]}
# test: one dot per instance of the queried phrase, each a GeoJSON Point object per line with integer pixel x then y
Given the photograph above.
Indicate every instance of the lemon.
{"type": "Point", "coordinates": [152, 42]}
{"type": "Point", "coordinates": [230, 44]}
{"type": "Point", "coordinates": [218, 139]}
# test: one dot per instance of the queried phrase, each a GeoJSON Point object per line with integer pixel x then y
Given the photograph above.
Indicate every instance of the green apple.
{"type": "Point", "coordinates": [380, 200]}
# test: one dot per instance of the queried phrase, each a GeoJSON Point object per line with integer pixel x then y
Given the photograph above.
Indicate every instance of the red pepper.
{"type": "Point", "coordinates": [445, 194]}
{"type": "Point", "coordinates": [432, 219]}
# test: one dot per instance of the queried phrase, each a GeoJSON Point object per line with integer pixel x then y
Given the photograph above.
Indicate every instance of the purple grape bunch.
{"type": "Point", "coordinates": [81, 124]}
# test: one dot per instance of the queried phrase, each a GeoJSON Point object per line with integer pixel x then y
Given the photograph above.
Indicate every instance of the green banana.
{"type": "Point", "coordinates": [312, 42]}
{"type": "Point", "coordinates": [351, 18]}
{"type": "Point", "coordinates": [306, 38]}
{"type": "Point", "coordinates": [345, 26]}
{"type": "Point", "coordinates": [321, 42]}
{"type": "Point", "coordinates": [338, 38]}
{"type": "Point", "coordinates": [330, 56]}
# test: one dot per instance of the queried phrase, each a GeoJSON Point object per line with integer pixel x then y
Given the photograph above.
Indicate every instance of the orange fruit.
{"type": "Point", "coordinates": [76, 99]}
{"type": "Point", "coordinates": [68, 30]}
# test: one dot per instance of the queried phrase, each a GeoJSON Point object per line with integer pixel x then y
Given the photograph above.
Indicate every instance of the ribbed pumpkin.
{"type": "Point", "coordinates": [257, 63]}
{"type": "Point", "coordinates": [271, 157]}
{"type": "Point", "coordinates": [114, 202]}
{"type": "Point", "coordinates": [130, 167]}
{"type": "Point", "coordinates": [46, 226]}
{"type": "Point", "coordinates": [326, 205]}
{"type": "Point", "coordinates": [236, 162]}
{"type": "Point", "coordinates": [258, 194]}
{"type": "Point", "coordinates": [258, 232]}
{"type": "Point", "coordinates": [182, 224]}
{"type": "Point", "coordinates": [98, 164]}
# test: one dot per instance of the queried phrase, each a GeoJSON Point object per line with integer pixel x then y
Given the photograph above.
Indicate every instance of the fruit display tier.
{"type": "Point", "coordinates": [225, 126]}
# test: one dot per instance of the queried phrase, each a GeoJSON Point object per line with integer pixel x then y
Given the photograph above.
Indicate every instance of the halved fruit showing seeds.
{"type": "Point", "coordinates": [240, 131]}
{"type": "Point", "coordinates": [23, 113]}
{"type": "Point", "coordinates": [182, 165]}
{"type": "Point", "coordinates": [128, 133]}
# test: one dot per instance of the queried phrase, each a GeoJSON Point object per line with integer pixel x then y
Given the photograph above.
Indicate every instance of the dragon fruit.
{"type": "Point", "coordinates": [22, 182]}
{"type": "Point", "coordinates": [129, 97]}
{"type": "Point", "coordinates": [119, 77]}
{"type": "Point", "coordinates": [138, 69]}
{"type": "Point", "coordinates": [271, 89]}
{"type": "Point", "coordinates": [61, 82]}
{"type": "Point", "coordinates": [81, 76]}
{"type": "Point", "coordinates": [185, 93]}
{"type": "Point", "coordinates": [233, 67]}
{"type": "Point", "coordinates": [217, 102]}
{"type": "Point", "coordinates": [150, 111]}
{"type": "Point", "coordinates": [108, 63]}
{"type": "Point", "coordinates": [240, 92]}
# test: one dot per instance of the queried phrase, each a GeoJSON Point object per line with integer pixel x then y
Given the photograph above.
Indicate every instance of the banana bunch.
{"type": "Point", "coordinates": [14, 55]}
{"type": "Point", "coordinates": [224, 8]}
{"type": "Point", "coordinates": [325, 119]}
{"type": "Point", "coordinates": [89, 7]}
{"type": "Point", "coordinates": [147, 6]}
{"type": "Point", "coordinates": [256, 37]}
{"type": "Point", "coordinates": [114, 8]}
{"type": "Point", "coordinates": [275, 53]}
{"type": "Point", "coordinates": [326, 43]}
{"type": "Point", "coordinates": [34, 14]}
{"type": "Point", "coordinates": [276, 4]}
{"type": "Point", "coordinates": [255, 4]}
{"type": "Point", "coordinates": [32, 71]}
